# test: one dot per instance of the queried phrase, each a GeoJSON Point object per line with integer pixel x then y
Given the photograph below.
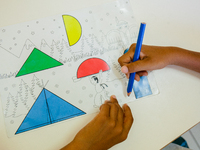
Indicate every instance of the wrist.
{"type": "Point", "coordinates": [75, 145]}
{"type": "Point", "coordinates": [173, 55]}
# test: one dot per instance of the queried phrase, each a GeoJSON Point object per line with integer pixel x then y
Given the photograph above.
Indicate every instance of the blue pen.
{"type": "Point", "coordinates": [136, 56]}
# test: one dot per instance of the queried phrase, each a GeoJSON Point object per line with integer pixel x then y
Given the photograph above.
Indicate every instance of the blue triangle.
{"type": "Point", "coordinates": [48, 109]}
{"type": "Point", "coordinates": [59, 109]}
{"type": "Point", "coordinates": [37, 116]}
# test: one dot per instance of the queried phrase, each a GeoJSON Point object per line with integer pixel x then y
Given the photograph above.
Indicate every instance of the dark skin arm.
{"type": "Point", "coordinates": [110, 127]}
{"type": "Point", "coordinates": [157, 57]}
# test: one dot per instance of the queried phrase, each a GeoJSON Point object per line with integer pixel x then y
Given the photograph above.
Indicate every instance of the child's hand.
{"type": "Point", "coordinates": [151, 58]}
{"type": "Point", "coordinates": [109, 127]}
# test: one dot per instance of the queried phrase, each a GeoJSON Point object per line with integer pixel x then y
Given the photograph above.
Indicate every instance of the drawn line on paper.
{"type": "Point", "coordinates": [47, 109]}
{"type": "Point", "coordinates": [37, 61]}
{"type": "Point", "coordinates": [19, 104]}
{"type": "Point", "coordinates": [27, 46]}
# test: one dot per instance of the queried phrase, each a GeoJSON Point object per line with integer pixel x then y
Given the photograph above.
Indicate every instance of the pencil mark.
{"type": "Point", "coordinates": [8, 75]}
{"type": "Point", "coordinates": [67, 91]}
{"type": "Point", "coordinates": [28, 45]}
{"type": "Point", "coordinates": [100, 88]}
{"type": "Point", "coordinates": [20, 103]}
{"type": "Point", "coordinates": [53, 73]}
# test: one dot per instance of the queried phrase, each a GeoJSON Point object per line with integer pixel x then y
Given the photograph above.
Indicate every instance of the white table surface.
{"type": "Point", "coordinates": [158, 119]}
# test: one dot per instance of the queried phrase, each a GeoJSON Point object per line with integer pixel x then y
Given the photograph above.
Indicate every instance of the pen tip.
{"type": "Point", "coordinates": [129, 94]}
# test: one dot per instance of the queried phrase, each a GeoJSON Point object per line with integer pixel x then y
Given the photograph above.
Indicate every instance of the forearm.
{"type": "Point", "coordinates": [70, 146]}
{"type": "Point", "coordinates": [75, 146]}
{"type": "Point", "coordinates": [185, 58]}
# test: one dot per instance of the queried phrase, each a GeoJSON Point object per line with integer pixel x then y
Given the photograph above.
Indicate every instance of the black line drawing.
{"type": "Point", "coordinates": [122, 36]}
{"type": "Point", "coordinates": [8, 75]}
{"type": "Point", "coordinates": [41, 62]}
{"type": "Point", "coordinates": [28, 45]}
{"type": "Point", "coordinates": [96, 41]}
{"type": "Point", "coordinates": [47, 109]}
{"type": "Point", "coordinates": [100, 88]}
{"type": "Point", "coordinates": [24, 97]}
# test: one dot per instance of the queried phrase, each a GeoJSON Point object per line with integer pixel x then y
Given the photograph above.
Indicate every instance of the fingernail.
{"type": "Point", "coordinates": [113, 96]}
{"type": "Point", "coordinates": [124, 69]}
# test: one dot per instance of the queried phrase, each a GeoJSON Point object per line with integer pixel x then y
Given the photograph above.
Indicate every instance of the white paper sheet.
{"type": "Point", "coordinates": [86, 43]}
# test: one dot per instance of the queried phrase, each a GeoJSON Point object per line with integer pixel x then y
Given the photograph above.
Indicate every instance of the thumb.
{"type": "Point", "coordinates": [139, 65]}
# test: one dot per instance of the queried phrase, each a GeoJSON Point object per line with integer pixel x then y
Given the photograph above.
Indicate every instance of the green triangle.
{"type": "Point", "coordinates": [37, 61]}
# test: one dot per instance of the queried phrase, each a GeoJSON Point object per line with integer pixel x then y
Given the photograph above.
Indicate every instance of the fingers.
{"type": "Point", "coordinates": [128, 118]}
{"type": "Point", "coordinates": [127, 57]}
{"type": "Point", "coordinates": [115, 110]}
{"type": "Point", "coordinates": [116, 113]}
{"type": "Point", "coordinates": [137, 77]}
{"type": "Point", "coordinates": [137, 66]}
{"type": "Point", "coordinates": [139, 74]}
{"type": "Point", "coordinates": [142, 73]}
{"type": "Point", "coordinates": [105, 110]}
{"type": "Point", "coordinates": [128, 66]}
{"type": "Point", "coordinates": [119, 116]}
{"type": "Point", "coordinates": [120, 119]}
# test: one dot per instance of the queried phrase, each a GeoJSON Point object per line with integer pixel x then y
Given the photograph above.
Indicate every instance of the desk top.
{"type": "Point", "coordinates": [158, 119]}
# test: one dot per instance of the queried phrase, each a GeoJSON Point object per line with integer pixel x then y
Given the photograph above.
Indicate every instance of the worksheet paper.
{"type": "Point", "coordinates": [65, 66]}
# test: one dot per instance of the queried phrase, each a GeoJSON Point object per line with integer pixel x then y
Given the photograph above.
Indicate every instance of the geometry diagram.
{"type": "Point", "coordinates": [92, 66]}
{"type": "Point", "coordinates": [37, 61]}
{"type": "Point", "coordinates": [73, 29]}
{"type": "Point", "coordinates": [48, 109]}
